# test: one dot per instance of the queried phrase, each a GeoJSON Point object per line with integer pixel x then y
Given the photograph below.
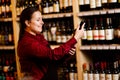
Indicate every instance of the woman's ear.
{"type": "Point", "coordinates": [27, 23]}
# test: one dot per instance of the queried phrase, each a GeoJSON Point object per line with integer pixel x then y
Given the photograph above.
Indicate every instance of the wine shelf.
{"type": "Point", "coordinates": [5, 19]}
{"type": "Point", "coordinates": [7, 47]}
{"type": "Point", "coordinates": [50, 16]}
{"type": "Point", "coordinates": [99, 12]}
{"type": "Point", "coordinates": [100, 47]}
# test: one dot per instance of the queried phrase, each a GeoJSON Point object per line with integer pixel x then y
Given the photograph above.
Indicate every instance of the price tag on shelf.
{"type": "Point", "coordinates": [96, 12]}
{"type": "Point", "coordinates": [106, 47]}
{"type": "Point", "coordinates": [117, 10]}
{"type": "Point", "coordinates": [99, 47]}
{"type": "Point", "coordinates": [103, 11]}
{"type": "Point", "coordinates": [93, 47]}
{"type": "Point", "coordinates": [118, 47]}
{"type": "Point", "coordinates": [111, 11]}
{"type": "Point", "coordinates": [113, 46]}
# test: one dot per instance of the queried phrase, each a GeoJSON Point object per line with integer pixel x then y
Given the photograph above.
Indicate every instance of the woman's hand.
{"type": "Point", "coordinates": [72, 51]}
{"type": "Point", "coordinates": [79, 33]}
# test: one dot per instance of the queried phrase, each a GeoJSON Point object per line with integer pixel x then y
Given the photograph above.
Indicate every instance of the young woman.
{"type": "Point", "coordinates": [35, 56]}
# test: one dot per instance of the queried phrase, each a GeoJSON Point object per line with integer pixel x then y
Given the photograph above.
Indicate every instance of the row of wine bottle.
{"type": "Point", "coordinates": [45, 6]}
{"type": "Point", "coordinates": [56, 6]}
{"type": "Point", "coordinates": [5, 9]}
{"type": "Point", "coordinates": [58, 32]}
{"type": "Point", "coordinates": [6, 33]}
{"type": "Point", "coordinates": [68, 72]}
{"type": "Point", "coordinates": [102, 65]}
{"type": "Point", "coordinates": [101, 30]}
{"type": "Point", "coordinates": [86, 5]}
{"type": "Point", "coordinates": [7, 66]}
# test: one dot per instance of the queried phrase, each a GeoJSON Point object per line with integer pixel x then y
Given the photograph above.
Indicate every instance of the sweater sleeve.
{"type": "Point", "coordinates": [41, 51]}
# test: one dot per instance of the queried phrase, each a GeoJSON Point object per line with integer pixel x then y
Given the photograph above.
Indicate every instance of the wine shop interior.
{"type": "Point", "coordinates": [97, 52]}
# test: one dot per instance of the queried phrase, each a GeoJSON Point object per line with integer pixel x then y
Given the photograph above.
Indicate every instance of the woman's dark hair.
{"type": "Point", "coordinates": [26, 15]}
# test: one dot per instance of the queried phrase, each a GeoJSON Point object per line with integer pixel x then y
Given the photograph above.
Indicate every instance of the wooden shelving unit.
{"type": "Point", "coordinates": [80, 57]}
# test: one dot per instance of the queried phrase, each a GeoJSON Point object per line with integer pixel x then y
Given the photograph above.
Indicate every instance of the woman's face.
{"type": "Point", "coordinates": [35, 24]}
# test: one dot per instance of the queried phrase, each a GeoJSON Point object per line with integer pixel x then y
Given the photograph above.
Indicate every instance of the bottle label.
{"type": "Point", "coordinates": [87, 1]}
{"type": "Point", "coordinates": [115, 76]}
{"type": "Point", "coordinates": [59, 39]}
{"type": "Point", "coordinates": [85, 35]}
{"type": "Point", "coordinates": [51, 9]}
{"type": "Point", "coordinates": [70, 2]}
{"type": "Point", "coordinates": [111, 1]}
{"type": "Point", "coordinates": [90, 76]}
{"type": "Point", "coordinates": [95, 35]}
{"type": "Point", "coordinates": [61, 4]}
{"type": "Point", "coordinates": [101, 34]}
{"type": "Point", "coordinates": [109, 34]}
{"type": "Point", "coordinates": [3, 8]}
{"type": "Point", "coordinates": [7, 8]}
{"type": "Point", "coordinates": [56, 8]}
{"type": "Point", "coordinates": [81, 2]}
{"type": "Point", "coordinates": [85, 76]}
{"type": "Point", "coordinates": [98, 3]}
{"type": "Point", "coordinates": [65, 3]}
{"type": "Point", "coordinates": [64, 38]}
{"type": "Point", "coordinates": [45, 10]}
{"type": "Point", "coordinates": [108, 77]}
{"type": "Point", "coordinates": [104, 1]}
{"type": "Point", "coordinates": [102, 76]}
{"type": "Point", "coordinates": [92, 4]}
{"type": "Point", "coordinates": [96, 77]}
{"type": "Point", "coordinates": [89, 35]}
{"type": "Point", "coordinates": [71, 76]}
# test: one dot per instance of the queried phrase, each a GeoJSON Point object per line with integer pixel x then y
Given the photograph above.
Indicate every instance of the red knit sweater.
{"type": "Point", "coordinates": [35, 54]}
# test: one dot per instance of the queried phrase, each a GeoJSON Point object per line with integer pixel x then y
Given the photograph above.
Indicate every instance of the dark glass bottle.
{"type": "Point", "coordinates": [95, 32]}
{"type": "Point", "coordinates": [115, 75]}
{"type": "Point", "coordinates": [63, 28]}
{"type": "Point", "coordinates": [85, 71]}
{"type": "Point", "coordinates": [18, 8]}
{"type": "Point", "coordinates": [65, 6]}
{"type": "Point", "coordinates": [6, 35]}
{"type": "Point", "coordinates": [70, 5]}
{"type": "Point", "coordinates": [53, 30]}
{"type": "Point", "coordinates": [90, 72]}
{"type": "Point", "coordinates": [84, 38]}
{"type": "Point", "coordinates": [118, 4]}
{"type": "Point", "coordinates": [59, 33]}
{"type": "Point", "coordinates": [92, 4]}
{"type": "Point", "coordinates": [109, 31]}
{"type": "Point", "coordinates": [51, 6]}
{"type": "Point", "coordinates": [112, 4]}
{"type": "Point", "coordinates": [101, 32]}
{"type": "Point", "coordinates": [81, 5]}
{"type": "Point", "coordinates": [96, 72]}
{"type": "Point", "coordinates": [98, 4]}
{"type": "Point", "coordinates": [105, 4]}
{"type": "Point", "coordinates": [89, 33]}
{"type": "Point", "coordinates": [56, 6]}
{"type": "Point", "coordinates": [86, 5]}
{"type": "Point", "coordinates": [102, 70]}
{"type": "Point", "coordinates": [8, 8]}
{"type": "Point", "coordinates": [3, 15]}
{"type": "Point", "coordinates": [45, 7]}
{"type": "Point", "coordinates": [108, 72]}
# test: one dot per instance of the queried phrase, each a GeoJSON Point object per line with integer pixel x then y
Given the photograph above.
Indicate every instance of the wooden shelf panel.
{"type": "Point", "coordinates": [7, 47]}
{"type": "Point", "coordinates": [99, 12]}
{"type": "Point", "coordinates": [5, 19]}
{"type": "Point", "coordinates": [100, 47]}
{"type": "Point", "coordinates": [59, 15]}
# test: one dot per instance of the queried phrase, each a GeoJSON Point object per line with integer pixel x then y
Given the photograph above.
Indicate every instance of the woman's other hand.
{"type": "Point", "coordinates": [79, 32]}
